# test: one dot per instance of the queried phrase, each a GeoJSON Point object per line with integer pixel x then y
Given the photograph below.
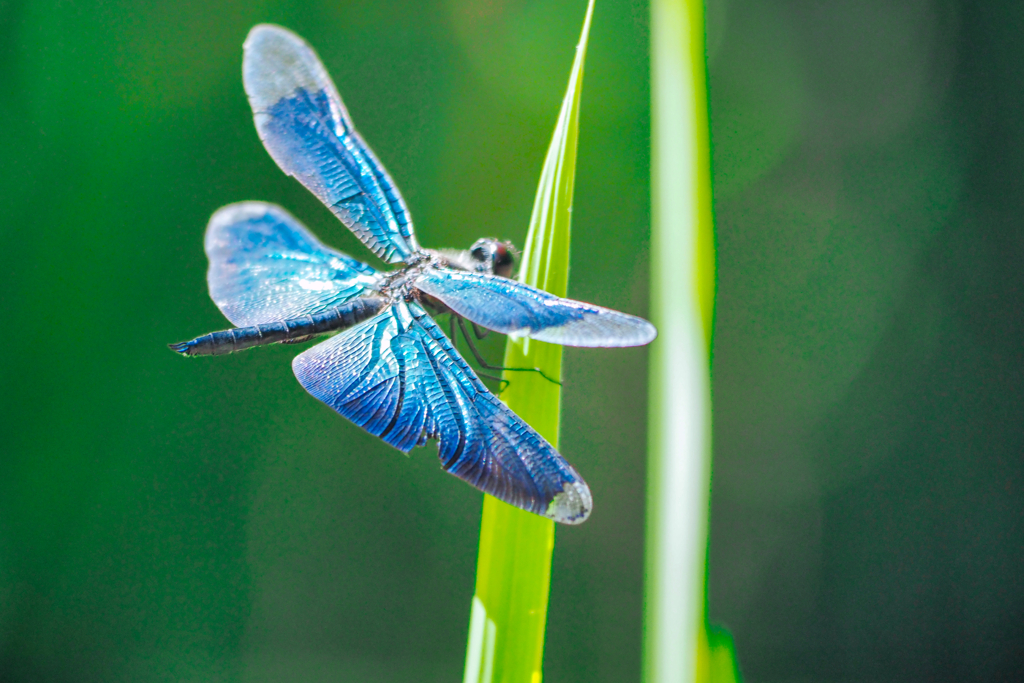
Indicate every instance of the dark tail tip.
{"type": "Point", "coordinates": [184, 348]}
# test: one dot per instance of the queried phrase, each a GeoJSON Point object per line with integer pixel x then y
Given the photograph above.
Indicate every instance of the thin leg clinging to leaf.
{"type": "Point", "coordinates": [485, 364]}
{"type": "Point", "coordinates": [453, 335]}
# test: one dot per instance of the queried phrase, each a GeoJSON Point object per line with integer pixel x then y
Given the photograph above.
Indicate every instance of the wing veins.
{"type": "Point", "coordinates": [400, 359]}
{"type": "Point", "coordinates": [376, 363]}
{"type": "Point", "coordinates": [350, 156]}
{"type": "Point", "coordinates": [450, 400]}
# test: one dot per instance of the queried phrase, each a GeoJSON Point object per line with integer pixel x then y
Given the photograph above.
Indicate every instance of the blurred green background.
{"type": "Point", "coordinates": [173, 520]}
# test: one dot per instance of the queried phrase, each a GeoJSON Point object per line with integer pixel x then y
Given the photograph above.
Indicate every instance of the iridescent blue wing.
{"type": "Point", "coordinates": [398, 377]}
{"type": "Point", "coordinates": [517, 309]}
{"type": "Point", "coordinates": [305, 127]}
{"type": "Point", "coordinates": [266, 266]}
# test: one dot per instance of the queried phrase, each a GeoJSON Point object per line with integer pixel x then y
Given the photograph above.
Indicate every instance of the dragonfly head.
{"type": "Point", "coordinates": [493, 256]}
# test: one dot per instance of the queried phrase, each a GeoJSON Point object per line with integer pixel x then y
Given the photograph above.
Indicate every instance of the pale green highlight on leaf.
{"type": "Point", "coordinates": [506, 639]}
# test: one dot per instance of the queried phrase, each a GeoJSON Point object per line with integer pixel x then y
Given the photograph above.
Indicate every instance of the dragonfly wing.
{"type": "Point", "coordinates": [305, 127]}
{"type": "Point", "coordinates": [518, 309]}
{"type": "Point", "coordinates": [266, 266]}
{"type": "Point", "coordinates": [398, 376]}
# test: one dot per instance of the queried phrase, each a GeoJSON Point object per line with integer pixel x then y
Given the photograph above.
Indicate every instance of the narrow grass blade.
{"type": "Point", "coordinates": [677, 645]}
{"type": "Point", "coordinates": [506, 634]}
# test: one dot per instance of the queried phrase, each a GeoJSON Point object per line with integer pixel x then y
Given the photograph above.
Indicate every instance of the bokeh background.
{"type": "Point", "coordinates": [171, 520]}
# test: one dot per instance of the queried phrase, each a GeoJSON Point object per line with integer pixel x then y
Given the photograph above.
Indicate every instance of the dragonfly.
{"type": "Point", "coordinates": [387, 366]}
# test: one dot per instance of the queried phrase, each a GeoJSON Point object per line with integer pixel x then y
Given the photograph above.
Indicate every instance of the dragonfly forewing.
{"type": "Point", "coordinates": [304, 126]}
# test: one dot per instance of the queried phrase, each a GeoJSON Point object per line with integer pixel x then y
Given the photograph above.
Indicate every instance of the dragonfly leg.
{"type": "Point", "coordinates": [502, 383]}
{"type": "Point", "coordinates": [480, 332]}
{"type": "Point", "coordinates": [485, 364]}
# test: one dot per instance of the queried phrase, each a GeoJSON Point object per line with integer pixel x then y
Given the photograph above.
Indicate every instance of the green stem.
{"type": "Point", "coordinates": [682, 306]}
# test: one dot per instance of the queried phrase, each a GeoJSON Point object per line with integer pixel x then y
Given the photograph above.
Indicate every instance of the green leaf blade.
{"type": "Point", "coordinates": [506, 639]}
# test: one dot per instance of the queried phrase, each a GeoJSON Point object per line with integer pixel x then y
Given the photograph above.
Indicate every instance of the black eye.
{"type": "Point", "coordinates": [479, 253]}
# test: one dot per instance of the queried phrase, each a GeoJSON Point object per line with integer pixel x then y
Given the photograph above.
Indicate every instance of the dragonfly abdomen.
{"type": "Point", "coordinates": [293, 329]}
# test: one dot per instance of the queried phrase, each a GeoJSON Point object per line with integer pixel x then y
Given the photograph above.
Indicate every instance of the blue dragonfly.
{"type": "Point", "coordinates": [388, 366]}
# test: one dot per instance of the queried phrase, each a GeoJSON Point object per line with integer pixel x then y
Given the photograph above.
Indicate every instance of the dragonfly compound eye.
{"type": "Point", "coordinates": [503, 259]}
{"type": "Point", "coordinates": [480, 253]}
